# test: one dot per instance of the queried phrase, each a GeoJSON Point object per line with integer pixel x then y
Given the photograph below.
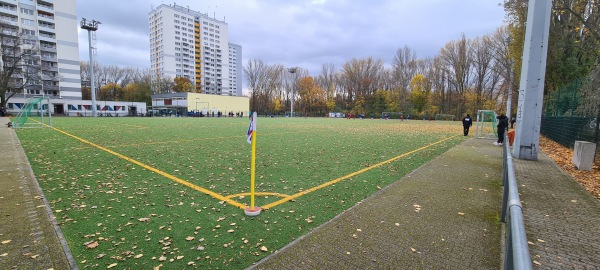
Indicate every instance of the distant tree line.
{"type": "Point", "coordinates": [465, 76]}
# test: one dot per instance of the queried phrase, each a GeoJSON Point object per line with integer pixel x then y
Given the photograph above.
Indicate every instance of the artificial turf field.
{"type": "Point", "coordinates": [143, 192]}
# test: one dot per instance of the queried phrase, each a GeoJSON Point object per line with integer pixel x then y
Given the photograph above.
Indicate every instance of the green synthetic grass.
{"type": "Point", "coordinates": [113, 211]}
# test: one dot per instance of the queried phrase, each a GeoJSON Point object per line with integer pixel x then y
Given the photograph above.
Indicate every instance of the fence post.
{"type": "Point", "coordinates": [596, 133]}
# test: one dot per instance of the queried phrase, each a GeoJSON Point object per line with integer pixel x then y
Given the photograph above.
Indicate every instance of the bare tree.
{"type": "Point", "coordinates": [458, 61]}
{"type": "Point", "coordinates": [404, 69]}
{"type": "Point", "coordinates": [360, 76]}
{"type": "Point", "coordinates": [19, 68]}
{"type": "Point", "coordinates": [483, 58]}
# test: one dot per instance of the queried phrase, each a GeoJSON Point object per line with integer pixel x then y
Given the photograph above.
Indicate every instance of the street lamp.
{"type": "Point", "coordinates": [91, 27]}
{"type": "Point", "coordinates": [292, 70]}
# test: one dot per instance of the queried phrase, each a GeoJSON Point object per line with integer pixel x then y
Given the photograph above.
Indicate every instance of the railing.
{"type": "Point", "coordinates": [516, 254]}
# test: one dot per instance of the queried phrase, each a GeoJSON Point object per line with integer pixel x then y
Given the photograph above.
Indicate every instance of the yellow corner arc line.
{"type": "Point", "coordinates": [276, 194]}
{"type": "Point", "coordinates": [152, 169]}
{"type": "Point", "coordinates": [273, 204]}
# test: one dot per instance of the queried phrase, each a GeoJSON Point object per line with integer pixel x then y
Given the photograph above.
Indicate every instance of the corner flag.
{"type": "Point", "coordinates": [251, 128]}
{"type": "Point", "coordinates": [252, 210]}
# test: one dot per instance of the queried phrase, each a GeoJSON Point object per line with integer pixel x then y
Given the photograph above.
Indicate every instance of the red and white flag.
{"type": "Point", "coordinates": [251, 128]}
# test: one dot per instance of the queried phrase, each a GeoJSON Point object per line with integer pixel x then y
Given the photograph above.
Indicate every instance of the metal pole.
{"type": "Point", "coordinates": [92, 83]}
{"type": "Point", "coordinates": [533, 72]}
{"type": "Point", "coordinates": [509, 98]}
{"type": "Point", "coordinates": [292, 71]}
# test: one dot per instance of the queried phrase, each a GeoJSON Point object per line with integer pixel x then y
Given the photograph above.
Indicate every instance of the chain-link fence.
{"type": "Point", "coordinates": [568, 129]}
{"type": "Point", "coordinates": [562, 124]}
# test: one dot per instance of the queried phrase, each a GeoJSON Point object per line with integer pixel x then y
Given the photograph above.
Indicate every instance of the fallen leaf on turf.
{"type": "Point", "coordinates": [537, 263]}
{"type": "Point", "coordinates": [179, 257]}
{"type": "Point", "coordinates": [35, 256]}
{"type": "Point", "coordinates": [531, 243]}
{"type": "Point", "coordinates": [6, 241]}
{"type": "Point", "coordinates": [138, 256]}
{"type": "Point", "coordinates": [100, 256]}
{"type": "Point", "coordinates": [162, 258]}
{"type": "Point", "coordinates": [92, 245]}
{"type": "Point", "coordinates": [540, 240]}
{"type": "Point", "coordinates": [111, 265]}
{"type": "Point", "coordinates": [143, 219]}
{"type": "Point", "coordinates": [461, 213]}
{"type": "Point", "coordinates": [3, 254]}
{"type": "Point", "coordinates": [413, 250]}
{"type": "Point", "coordinates": [263, 249]}
{"type": "Point", "coordinates": [189, 238]}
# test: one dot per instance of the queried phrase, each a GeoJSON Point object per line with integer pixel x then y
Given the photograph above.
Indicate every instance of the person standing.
{"type": "Point", "coordinates": [502, 126]}
{"type": "Point", "coordinates": [467, 123]}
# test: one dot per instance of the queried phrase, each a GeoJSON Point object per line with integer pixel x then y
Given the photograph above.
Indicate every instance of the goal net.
{"type": "Point", "coordinates": [444, 117]}
{"type": "Point", "coordinates": [34, 113]}
{"type": "Point", "coordinates": [485, 127]}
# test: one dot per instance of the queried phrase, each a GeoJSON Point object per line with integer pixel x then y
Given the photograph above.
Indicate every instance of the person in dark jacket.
{"type": "Point", "coordinates": [502, 126]}
{"type": "Point", "coordinates": [467, 123]}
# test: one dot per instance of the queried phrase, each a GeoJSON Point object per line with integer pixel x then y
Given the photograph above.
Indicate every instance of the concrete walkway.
{"type": "Point", "coordinates": [28, 237]}
{"type": "Point", "coordinates": [562, 219]}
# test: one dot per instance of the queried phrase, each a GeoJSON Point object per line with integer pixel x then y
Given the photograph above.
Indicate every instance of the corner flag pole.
{"type": "Point", "coordinates": [252, 210]}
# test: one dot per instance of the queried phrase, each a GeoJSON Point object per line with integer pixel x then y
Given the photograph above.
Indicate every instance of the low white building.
{"type": "Point", "coordinates": [69, 107]}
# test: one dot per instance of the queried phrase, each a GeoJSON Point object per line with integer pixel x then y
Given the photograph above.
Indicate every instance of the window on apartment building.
{"type": "Point", "coordinates": [176, 16]}
{"type": "Point", "coordinates": [27, 11]}
{"type": "Point", "coordinates": [27, 21]}
{"type": "Point", "coordinates": [176, 21]}
{"type": "Point", "coordinates": [28, 32]}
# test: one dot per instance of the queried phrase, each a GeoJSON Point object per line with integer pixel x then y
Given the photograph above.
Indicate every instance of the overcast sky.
{"type": "Point", "coordinates": [304, 33]}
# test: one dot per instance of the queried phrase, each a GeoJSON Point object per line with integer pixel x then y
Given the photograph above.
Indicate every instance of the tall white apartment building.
{"type": "Point", "coordinates": [50, 28]}
{"type": "Point", "coordinates": [187, 43]}
{"type": "Point", "coordinates": [235, 68]}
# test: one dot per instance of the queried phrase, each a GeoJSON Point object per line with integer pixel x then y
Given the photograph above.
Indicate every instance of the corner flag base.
{"type": "Point", "coordinates": [252, 212]}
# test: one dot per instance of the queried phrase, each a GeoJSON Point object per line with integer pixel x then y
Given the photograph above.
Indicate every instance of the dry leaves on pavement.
{"type": "Point", "coordinates": [563, 156]}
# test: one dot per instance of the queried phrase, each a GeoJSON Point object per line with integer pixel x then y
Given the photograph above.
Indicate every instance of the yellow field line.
{"type": "Point", "coordinates": [152, 169]}
{"type": "Point", "coordinates": [277, 194]}
{"type": "Point", "coordinates": [273, 204]}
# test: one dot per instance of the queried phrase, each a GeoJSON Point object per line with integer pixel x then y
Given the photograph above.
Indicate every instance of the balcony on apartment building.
{"type": "Point", "coordinates": [44, 16]}
{"type": "Point", "coordinates": [8, 19]}
{"type": "Point", "coordinates": [7, 9]}
{"type": "Point", "coordinates": [45, 7]}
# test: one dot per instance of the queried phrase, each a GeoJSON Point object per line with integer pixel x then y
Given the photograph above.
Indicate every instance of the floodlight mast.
{"type": "Point", "coordinates": [292, 70]}
{"type": "Point", "coordinates": [91, 26]}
